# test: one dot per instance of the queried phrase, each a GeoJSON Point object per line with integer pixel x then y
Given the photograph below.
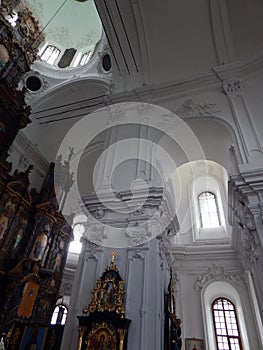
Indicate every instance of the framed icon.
{"type": "Point", "coordinates": [194, 344]}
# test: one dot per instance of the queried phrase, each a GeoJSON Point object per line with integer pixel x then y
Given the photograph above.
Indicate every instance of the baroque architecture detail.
{"type": "Point", "coordinates": [191, 109]}
{"type": "Point", "coordinates": [103, 324]}
{"type": "Point", "coordinates": [218, 273]}
{"type": "Point", "coordinates": [233, 88]}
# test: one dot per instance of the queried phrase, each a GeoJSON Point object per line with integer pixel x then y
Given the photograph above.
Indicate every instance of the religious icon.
{"type": "Point", "coordinates": [102, 340]}
{"type": "Point", "coordinates": [39, 247]}
{"type": "Point", "coordinates": [4, 56]}
{"type": "Point", "coordinates": [5, 217]}
{"type": "Point", "coordinates": [29, 297]}
{"type": "Point", "coordinates": [194, 344]}
{"type": "Point", "coordinates": [19, 232]}
{"type": "Point", "coordinates": [57, 263]}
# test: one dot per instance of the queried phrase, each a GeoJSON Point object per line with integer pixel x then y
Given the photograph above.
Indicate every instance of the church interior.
{"type": "Point", "coordinates": [131, 175]}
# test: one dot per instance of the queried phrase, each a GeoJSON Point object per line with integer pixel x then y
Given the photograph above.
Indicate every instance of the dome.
{"type": "Point", "coordinates": [72, 31]}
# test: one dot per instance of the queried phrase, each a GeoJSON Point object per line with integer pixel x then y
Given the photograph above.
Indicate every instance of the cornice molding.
{"type": "Point", "coordinates": [221, 79]}
{"type": "Point", "coordinates": [201, 252]}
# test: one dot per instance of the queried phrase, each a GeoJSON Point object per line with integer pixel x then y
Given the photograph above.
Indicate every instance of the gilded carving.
{"type": "Point", "coordinates": [103, 324]}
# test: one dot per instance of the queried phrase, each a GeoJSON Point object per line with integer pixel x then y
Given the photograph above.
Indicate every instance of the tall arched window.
{"type": "Point", "coordinates": [85, 58]}
{"type": "Point", "coordinates": [59, 315]}
{"type": "Point", "coordinates": [209, 213]}
{"type": "Point", "coordinates": [50, 54]}
{"type": "Point", "coordinates": [226, 325]}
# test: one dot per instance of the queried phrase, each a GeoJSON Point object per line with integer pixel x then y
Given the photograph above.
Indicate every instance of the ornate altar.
{"type": "Point", "coordinates": [18, 50]}
{"type": "Point", "coordinates": [103, 325]}
{"type": "Point", "coordinates": [34, 239]}
{"type": "Point", "coordinates": [34, 236]}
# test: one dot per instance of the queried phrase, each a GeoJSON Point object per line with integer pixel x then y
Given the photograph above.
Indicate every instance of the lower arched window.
{"type": "Point", "coordinates": [59, 315]}
{"type": "Point", "coordinates": [226, 325]}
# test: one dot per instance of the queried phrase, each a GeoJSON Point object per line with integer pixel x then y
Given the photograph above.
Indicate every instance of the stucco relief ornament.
{"type": "Point", "coordinates": [99, 213]}
{"type": "Point", "coordinates": [169, 121]}
{"type": "Point", "coordinates": [250, 222]}
{"type": "Point", "coordinates": [60, 35]}
{"type": "Point", "coordinates": [233, 88]}
{"type": "Point", "coordinates": [165, 254]}
{"type": "Point", "coordinates": [139, 212]}
{"type": "Point", "coordinates": [116, 115]}
{"type": "Point", "coordinates": [204, 168]}
{"type": "Point", "coordinates": [218, 273]}
{"type": "Point", "coordinates": [97, 234]}
{"type": "Point", "coordinates": [144, 109]}
{"type": "Point", "coordinates": [137, 235]}
{"type": "Point", "coordinates": [248, 249]}
{"type": "Point", "coordinates": [190, 109]}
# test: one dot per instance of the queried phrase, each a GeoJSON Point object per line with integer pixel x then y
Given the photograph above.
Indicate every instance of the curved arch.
{"type": "Point", "coordinates": [217, 138]}
{"type": "Point", "coordinates": [210, 292]}
{"type": "Point", "coordinates": [190, 180]}
{"type": "Point", "coordinates": [226, 323]}
{"type": "Point", "coordinates": [66, 87]}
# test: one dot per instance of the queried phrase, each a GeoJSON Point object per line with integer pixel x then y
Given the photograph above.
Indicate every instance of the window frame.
{"type": "Point", "coordinates": [87, 58]}
{"type": "Point", "coordinates": [227, 336]}
{"type": "Point", "coordinates": [65, 313]}
{"type": "Point", "coordinates": [54, 48]}
{"type": "Point", "coordinates": [213, 290]}
{"type": "Point", "coordinates": [216, 206]}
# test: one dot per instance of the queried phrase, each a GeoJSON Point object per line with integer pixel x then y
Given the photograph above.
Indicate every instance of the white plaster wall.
{"type": "Point", "coordinates": [141, 270]}
{"type": "Point", "coordinates": [189, 268]}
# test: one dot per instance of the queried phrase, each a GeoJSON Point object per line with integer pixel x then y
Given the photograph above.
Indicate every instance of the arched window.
{"type": "Point", "coordinates": [209, 213]}
{"type": "Point", "coordinates": [50, 54]}
{"type": "Point", "coordinates": [59, 315]}
{"type": "Point", "coordinates": [85, 58]}
{"type": "Point", "coordinates": [226, 325]}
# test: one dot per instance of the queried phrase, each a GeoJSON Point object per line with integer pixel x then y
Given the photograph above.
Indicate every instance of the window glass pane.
{"type": "Point", "coordinates": [226, 325]}
{"type": "Point", "coordinates": [208, 210]}
{"type": "Point", "coordinates": [85, 58]}
{"type": "Point", "coordinates": [59, 315]}
{"type": "Point", "coordinates": [50, 54]}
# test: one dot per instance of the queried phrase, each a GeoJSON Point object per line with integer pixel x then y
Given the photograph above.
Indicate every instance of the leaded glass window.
{"type": "Point", "coordinates": [226, 325]}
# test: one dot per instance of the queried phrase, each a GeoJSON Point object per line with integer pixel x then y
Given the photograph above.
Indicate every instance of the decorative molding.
{"type": "Point", "coordinates": [233, 88]}
{"type": "Point", "coordinates": [31, 95]}
{"type": "Point", "coordinates": [116, 115]}
{"type": "Point", "coordinates": [105, 50]}
{"type": "Point", "coordinates": [248, 253]}
{"type": "Point", "coordinates": [190, 109]}
{"type": "Point", "coordinates": [99, 213]}
{"type": "Point", "coordinates": [138, 235]}
{"type": "Point", "coordinates": [167, 258]}
{"type": "Point", "coordinates": [169, 121]}
{"type": "Point", "coordinates": [60, 35]}
{"type": "Point", "coordinates": [218, 273]}
{"type": "Point", "coordinates": [96, 233]}
{"type": "Point", "coordinates": [70, 73]}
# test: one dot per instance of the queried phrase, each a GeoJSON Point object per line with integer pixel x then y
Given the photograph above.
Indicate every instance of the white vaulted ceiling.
{"type": "Point", "coordinates": [173, 50]}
